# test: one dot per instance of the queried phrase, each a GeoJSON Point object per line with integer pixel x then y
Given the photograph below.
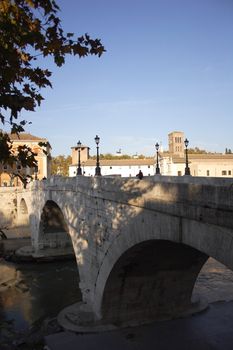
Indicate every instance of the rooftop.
{"type": "Point", "coordinates": [120, 162]}
{"type": "Point", "coordinates": [25, 137]}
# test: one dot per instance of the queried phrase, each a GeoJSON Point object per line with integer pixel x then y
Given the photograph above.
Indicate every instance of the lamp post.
{"type": "Point", "coordinates": [187, 170]}
{"type": "Point", "coordinates": [157, 171]}
{"type": "Point", "coordinates": [97, 169]}
{"type": "Point", "coordinates": [79, 169]}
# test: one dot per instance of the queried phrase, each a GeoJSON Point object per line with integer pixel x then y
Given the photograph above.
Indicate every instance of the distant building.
{"type": "Point", "coordinates": [213, 165]}
{"type": "Point", "coordinates": [117, 167]}
{"type": "Point", "coordinates": [7, 177]}
{"type": "Point", "coordinates": [84, 154]}
{"type": "Point", "coordinates": [111, 167]}
{"type": "Point", "coordinates": [207, 164]}
{"type": "Point", "coordinates": [176, 143]}
{"type": "Point", "coordinates": [171, 162]}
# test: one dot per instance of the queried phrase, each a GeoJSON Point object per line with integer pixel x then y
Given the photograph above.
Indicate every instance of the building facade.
{"type": "Point", "coordinates": [176, 143]}
{"type": "Point", "coordinates": [116, 167]}
{"type": "Point", "coordinates": [171, 162]}
{"type": "Point", "coordinates": [8, 173]}
{"type": "Point", "coordinates": [111, 167]}
{"type": "Point", "coordinates": [203, 164]}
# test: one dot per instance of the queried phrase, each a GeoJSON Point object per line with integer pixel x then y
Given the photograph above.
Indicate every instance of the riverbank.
{"type": "Point", "coordinates": [9, 246]}
{"type": "Point", "coordinates": [19, 250]}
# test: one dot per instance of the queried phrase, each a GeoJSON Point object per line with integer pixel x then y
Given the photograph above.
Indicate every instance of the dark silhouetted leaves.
{"type": "Point", "coordinates": [29, 29]}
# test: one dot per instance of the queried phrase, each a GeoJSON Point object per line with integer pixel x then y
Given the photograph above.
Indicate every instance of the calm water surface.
{"type": "Point", "coordinates": [33, 292]}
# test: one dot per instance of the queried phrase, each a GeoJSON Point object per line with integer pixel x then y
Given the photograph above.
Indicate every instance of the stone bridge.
{"type": "Point", "coordinates": [139, 244]}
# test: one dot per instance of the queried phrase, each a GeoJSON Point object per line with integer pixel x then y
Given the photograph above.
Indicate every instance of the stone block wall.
{"type": "Point", "coordinates": [8, 207]}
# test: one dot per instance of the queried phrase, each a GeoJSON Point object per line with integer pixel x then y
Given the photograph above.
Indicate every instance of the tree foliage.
{"type": "Point", "coordinates": [109, 156]}
{"type": "Point", "coordinates": [112, 156]}
{"type": "Point", "coordinates": [197, 150]}
{"type": "Point", "coordinates": [30, 29]}
{"type": "Point", "coordinates": [60, 165]}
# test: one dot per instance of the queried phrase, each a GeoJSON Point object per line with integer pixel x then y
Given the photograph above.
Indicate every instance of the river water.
{"type": "Point", "coordinates": [33, 292]}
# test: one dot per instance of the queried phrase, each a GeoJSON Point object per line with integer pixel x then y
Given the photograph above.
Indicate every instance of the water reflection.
{"type": "Point", "coordinates": [39, 291]}
{"type": "Point", "coordinates": [30, 293]}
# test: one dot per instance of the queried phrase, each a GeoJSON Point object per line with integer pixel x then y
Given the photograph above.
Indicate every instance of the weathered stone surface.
{"type": "Point", "coordinates": [118, 222]}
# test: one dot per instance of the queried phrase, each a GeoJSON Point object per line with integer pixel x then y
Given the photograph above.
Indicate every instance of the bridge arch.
{"type": "Point", "coordinates": [52, 218]}
{"type": "Point", "coordinates": [23, 209]}
{"type": "Point", "coordinates": [147, 235]}
{"type": "Point", "coordinates": [23, 222]}
{"type": "Point", "coordinates": [163, 232]}
{"type": "Point", "coordinates": [53, 229]}
{"type": "Point", "coordinates": [152, 279]}
{"type": "Point", "coordinates": [141, 228]}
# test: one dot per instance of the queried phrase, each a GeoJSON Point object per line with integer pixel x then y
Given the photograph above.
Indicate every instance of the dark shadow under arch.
{"type": "Point", "coordinates": [152, 280]}
{"type": "Point", "coordinates": [23, 207]}
{"type": "Point", "coordinates": [53, 230]}
{"type": "Point", "coordinates": [23, 219]}
{"type": "Point", "coordinates": [52, 219]}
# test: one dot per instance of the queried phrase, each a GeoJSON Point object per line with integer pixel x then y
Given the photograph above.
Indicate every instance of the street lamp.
{"type": "Point", "coordinates": [79, 169]}
{"type": "Point", "coordinates": [97, 169]}
{"type": "Point", "coordinates": [157, 171]}
{"type": "Point", "coordinates": [187, 170]}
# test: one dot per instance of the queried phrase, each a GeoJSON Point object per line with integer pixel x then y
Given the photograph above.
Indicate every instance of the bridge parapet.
{"type": "Point", "coordinates": [205, 199]}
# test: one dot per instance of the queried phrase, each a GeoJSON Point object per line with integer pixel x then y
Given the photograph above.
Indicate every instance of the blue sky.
{"type": "Point", "coordinates": [168, 66]}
